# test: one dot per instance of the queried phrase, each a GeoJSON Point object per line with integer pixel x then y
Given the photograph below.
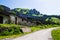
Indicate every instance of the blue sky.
{"type": "Point", "coordinates": [49, 7]}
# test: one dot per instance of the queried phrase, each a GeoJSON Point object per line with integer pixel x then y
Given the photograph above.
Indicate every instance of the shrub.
{"type": "Point", "coordinates": [9, 29]}
{"type": "Point", "coordinates": [56, 34]}
{"type": "Point", "coordinates": [34, 29]}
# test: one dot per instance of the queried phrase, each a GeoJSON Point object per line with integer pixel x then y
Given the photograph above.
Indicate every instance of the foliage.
{"type": "Point", "coordinates": [35, 28]}
{"type": "Point", "coordinates": [24, 12]}
{"type": "Point", "coordinates": [20, 10]}
{"type": "Point", "coordinates": [9, 29]}
{"type": "Point", "coordinates": [1, 9]}
{"type": "Point", "coordinates": [12, 12]}
{"type": "Point", "coordinates": [56, 34]}
{"type": "Point", "coordinates": [9, 25]}
{"type": "Point", "coordinates": [4, 8]}
{"type": "Point", "coordinates": [38, 27]}
{"type": "Point", "coordinates": [53, 20]}
{"type": "Point", "coordinates": [34, 15]}
{"type": "Point", "coordinates": [56, 20]}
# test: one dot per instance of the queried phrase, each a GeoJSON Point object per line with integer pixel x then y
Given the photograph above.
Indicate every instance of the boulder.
{"type": "Point", "coordinates": [26, 29]}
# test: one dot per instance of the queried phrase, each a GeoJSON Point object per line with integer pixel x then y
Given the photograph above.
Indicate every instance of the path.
{"type": "Point", "coordinates": [44, 34]}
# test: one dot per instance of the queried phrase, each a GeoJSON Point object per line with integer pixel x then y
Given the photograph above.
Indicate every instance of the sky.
{"type": "Point", "coordinates": [49, 7]}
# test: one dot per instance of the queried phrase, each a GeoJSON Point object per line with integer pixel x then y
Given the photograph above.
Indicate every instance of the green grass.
{"type": "Point", "coordinates": [39, 27]}
{"type": "Point", "coordinates": [14, 35]}
{"type": "Point", "coordinates": [56, 34]}
{"type": "Point", "coordinates": [9, 25]}
{"type": "Point", "coordinates": [35, 29]}
{"type": "Point", "coordinates": [11, 36]}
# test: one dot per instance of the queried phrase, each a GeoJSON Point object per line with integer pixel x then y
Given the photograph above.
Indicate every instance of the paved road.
{"type": "Point", "coordinates": [44, 34]}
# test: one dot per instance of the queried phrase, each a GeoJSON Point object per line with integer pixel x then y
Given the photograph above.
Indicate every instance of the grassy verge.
{"type": "Point", "coordinates": [10, 36]}
{"type": "Point", "coordinates": [39, 27]}
{"type": "Point", "coordinates": [13, 36]}
{"type": "Point", "coordinates": [56, 34]}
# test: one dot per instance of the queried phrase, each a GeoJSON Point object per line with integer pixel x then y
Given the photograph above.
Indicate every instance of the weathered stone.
{"type": "Point", "coordinates": [26, 29]}
{"type": "Point", "coordinates": [50, 39]}
{"type": "Point", "coordinates": [7, 39]}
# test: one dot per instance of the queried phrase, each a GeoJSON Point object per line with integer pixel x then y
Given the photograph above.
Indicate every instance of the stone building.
{"type": "Point", "coordinates": [7, 17]}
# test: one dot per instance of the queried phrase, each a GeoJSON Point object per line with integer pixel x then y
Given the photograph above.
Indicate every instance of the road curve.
{"type": "Point", "coordinates": [44, 34]}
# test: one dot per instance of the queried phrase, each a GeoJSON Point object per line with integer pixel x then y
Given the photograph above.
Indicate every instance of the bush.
{"type": "Point", "coordinates": [9, 29]}
{"type": "Point", "coordinates": [35, 28]}
{"type": "Point", "coordinates": [56, 34]}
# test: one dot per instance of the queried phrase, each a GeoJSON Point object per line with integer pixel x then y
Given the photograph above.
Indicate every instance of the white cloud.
{"type": "Point", "coordinates": [50, 7]}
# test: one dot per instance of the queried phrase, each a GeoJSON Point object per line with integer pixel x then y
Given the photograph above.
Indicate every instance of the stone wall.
{"type": "Point", "coordinates": [19, 20]}
{"type": "Point", "coordinates": [5, 19]}
{"type": "Point", "coordinates": [26, 29]}
{"type": "Point", "coordinates": [12, 18]}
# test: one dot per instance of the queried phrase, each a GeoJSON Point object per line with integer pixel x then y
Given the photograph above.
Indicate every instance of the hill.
{"type": "Point", "coordinates": [32, 15]}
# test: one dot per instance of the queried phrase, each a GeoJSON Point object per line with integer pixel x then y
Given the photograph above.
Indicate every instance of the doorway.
{"type": "Point", "coordinates": [1, 19]}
